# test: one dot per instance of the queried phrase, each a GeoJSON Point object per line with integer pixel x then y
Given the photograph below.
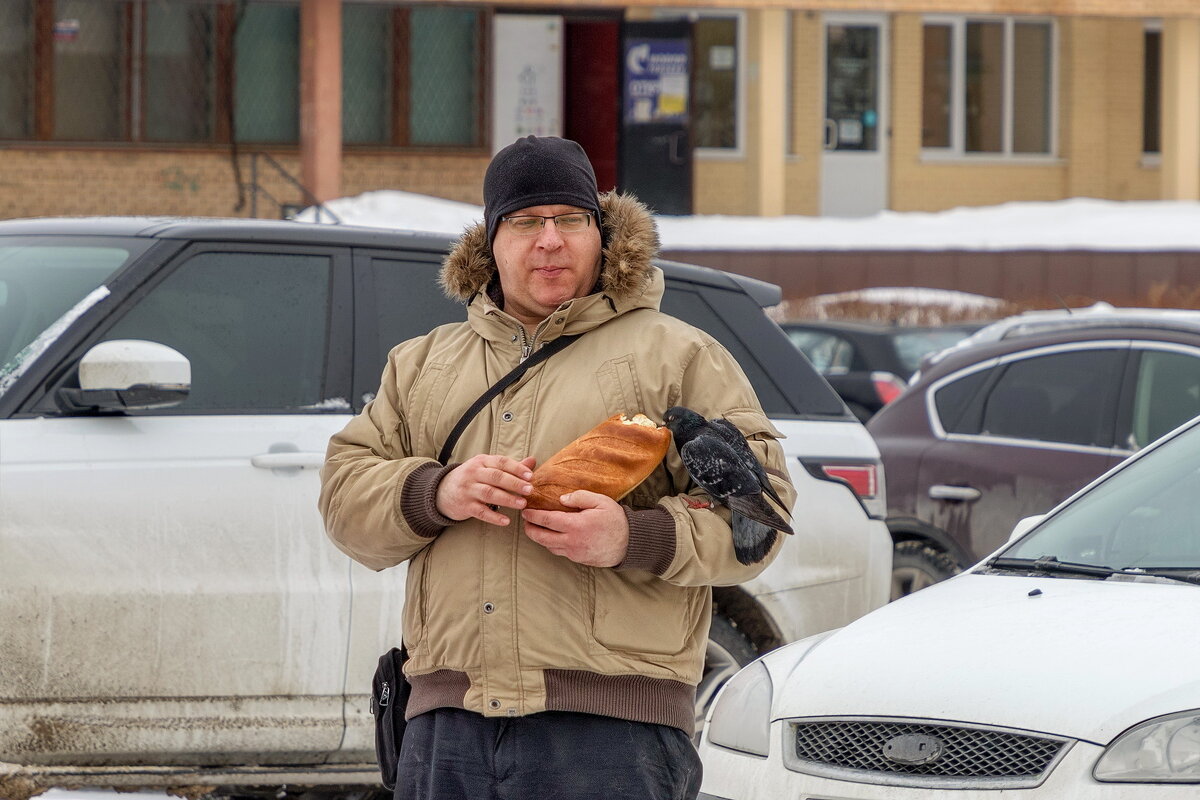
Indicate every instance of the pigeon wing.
{"type": "Point", "coordinates": [716, 468]}
{"type": "Point", "coordinates": [730, 433]}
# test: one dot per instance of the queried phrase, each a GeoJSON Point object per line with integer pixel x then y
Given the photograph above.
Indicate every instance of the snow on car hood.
{"type": "Point", "coordinates": [1084, 659]}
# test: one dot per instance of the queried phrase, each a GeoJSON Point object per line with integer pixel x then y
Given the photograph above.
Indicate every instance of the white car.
{"type": "Point", "coordinates": [1065, 666]}
{"type": "Point", "coordinates": [172, 612]}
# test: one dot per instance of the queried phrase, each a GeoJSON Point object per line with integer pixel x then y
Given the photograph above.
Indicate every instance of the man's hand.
{"type": "Point", "coordinates": [596, 536]}
{"type": "Point", "coordinates": [481, 483]}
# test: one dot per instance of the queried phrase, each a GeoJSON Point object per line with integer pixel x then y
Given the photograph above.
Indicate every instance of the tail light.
{"type": "Point", "coordinates": [865, 479]}
{"type": "Point", "coordinates": [888, 386]}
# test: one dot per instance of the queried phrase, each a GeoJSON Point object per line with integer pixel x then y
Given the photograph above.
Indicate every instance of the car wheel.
{"type": "Point", "coordinates": [916, 565]}
{"type": "Point", "coordinates": [728, 651]}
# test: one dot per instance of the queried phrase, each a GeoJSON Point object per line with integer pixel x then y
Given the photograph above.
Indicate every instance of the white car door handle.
{"type": "Point", "coordinates": [288, 460]}
{"type": "Point", "coordinates": [964, 494]}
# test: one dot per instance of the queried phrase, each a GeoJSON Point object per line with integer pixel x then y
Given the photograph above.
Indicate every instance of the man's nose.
{"type": "Point", "coordinates": [549, 238]}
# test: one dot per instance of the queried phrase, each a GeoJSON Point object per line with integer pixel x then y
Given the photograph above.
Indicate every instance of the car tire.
{"type": "Point", "coordinates": [916, 565]}
{"type": "Point", "coordinates": [728, 651]}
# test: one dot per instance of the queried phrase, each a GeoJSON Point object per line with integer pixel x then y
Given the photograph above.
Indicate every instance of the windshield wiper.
{"type": "Point", "coordinates": [1184, 574]}
{"type": "Point", "coordinates": [1052, 566]}
{"type": "Point", "coordinates": [1049, 565]}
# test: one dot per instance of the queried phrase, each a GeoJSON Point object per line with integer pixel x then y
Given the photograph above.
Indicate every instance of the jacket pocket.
{"type": "Point", "coordinates": [637, 612]}
{"type": "Point", "coordinates": [620, 388]}
{"type": "Point", "coordinates": [430, 411]}
{"type": "Point", "coordinates": [415, 592]}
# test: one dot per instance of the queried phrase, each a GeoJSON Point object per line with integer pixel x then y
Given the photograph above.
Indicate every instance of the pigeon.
{"type": "Point", "coordinates": [716, 455]}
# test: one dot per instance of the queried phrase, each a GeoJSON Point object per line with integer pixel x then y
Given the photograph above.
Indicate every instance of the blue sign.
{"type": "Point", "coordinates": [656, 80]}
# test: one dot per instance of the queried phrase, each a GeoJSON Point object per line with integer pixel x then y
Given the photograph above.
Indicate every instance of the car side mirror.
{"type": "Point", "coordinates": [1025, 525]}
{"type": "Point", "coordinates": [128, 374]}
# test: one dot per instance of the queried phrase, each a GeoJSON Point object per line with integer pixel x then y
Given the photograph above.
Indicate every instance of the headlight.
{"type": "Point", "coordinates": [1162, 750]}
{"type": "Point", "coordinates": [741, 717]}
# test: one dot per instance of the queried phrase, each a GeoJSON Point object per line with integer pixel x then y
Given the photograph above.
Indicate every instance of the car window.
{"type": "Point", "coordinates": [1143, 516]}
{"type": "Point", "coordinates": [828, 352]}
{"type": "Point", "coordinates": [953, 399]}
{"type": "Point", "coordinates": [690, 307]}
{"type": "Point", "coordinates": [1167, 394]}
{"type": "Point", "coordinates": [253, 325]}
{"type": "Point", "coordinates": [409, 302]}
{"type": "Point", "coordinates": [41, 279]}
{"type": "Point", "coordinates": [1063, 397]}
{"type": "Point", "coordinates": [912, 346]}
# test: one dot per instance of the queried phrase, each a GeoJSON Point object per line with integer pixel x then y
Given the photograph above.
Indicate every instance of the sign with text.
{"type": "Point", "coordinates": [656, 80]}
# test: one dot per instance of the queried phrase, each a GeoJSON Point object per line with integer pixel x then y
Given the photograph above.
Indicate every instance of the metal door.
{"type": "Point", "coordinates": [656, 148]}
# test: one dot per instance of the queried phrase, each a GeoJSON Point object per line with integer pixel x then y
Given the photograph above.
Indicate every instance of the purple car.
{"type": "Point", "coordinates": [1019, 416]}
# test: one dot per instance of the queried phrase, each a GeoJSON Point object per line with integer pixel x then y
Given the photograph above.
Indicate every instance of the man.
{"type": "Point", "coordinates": [552, 654]}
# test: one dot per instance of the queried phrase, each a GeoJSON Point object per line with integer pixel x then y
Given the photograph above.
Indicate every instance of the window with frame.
{"type": "Point", "coordinates": [988, 86]}
{"type": "Point", "coordinates": [206, 71]}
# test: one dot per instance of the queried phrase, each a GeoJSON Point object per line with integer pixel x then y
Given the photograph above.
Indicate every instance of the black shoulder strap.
{"type": "Point", "coordinates": [547, 350]}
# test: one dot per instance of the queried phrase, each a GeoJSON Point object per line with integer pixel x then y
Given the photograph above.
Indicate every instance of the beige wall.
{"type": "Point", "coordinates": [806, 115]}
{"type": "Point", "coordinates": [46, 182]}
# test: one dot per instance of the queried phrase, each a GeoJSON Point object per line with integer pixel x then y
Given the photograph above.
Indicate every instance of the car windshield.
{"type": "Point", "coordinates": [1145, 517]}
{"type": "Point", "coordinates": [42, 281]}
{"type": "Point", "coordinates": [912, 346]}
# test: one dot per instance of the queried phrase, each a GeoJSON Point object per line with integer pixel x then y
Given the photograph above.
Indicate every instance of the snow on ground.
{"type": "Point", "coordinates": [1079, 223]}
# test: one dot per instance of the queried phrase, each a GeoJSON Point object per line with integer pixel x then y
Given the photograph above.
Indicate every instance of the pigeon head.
{"type": "Point", "coordinates": [683, 422]}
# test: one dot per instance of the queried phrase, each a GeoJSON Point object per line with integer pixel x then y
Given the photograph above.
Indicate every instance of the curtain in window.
{"type": "Point", "coordinates": [90, 93]}
{"type": "Point", "coordinates": [366, 74]}
{"type": "Point", "coordinates": [267, 67]}
{"type": "Point", "coordinates": [179, 72]}
{"type": "Point", "coordinates": [443, 48]}
{"type": "Point", "coordinates": [16, 69]}
{"type": "Point", "coordinates": [1031, 88]}
{"type": "Point", "coordinates": [936, 83]}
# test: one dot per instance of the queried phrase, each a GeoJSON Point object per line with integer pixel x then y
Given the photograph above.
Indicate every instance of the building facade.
{"type": "Point", "coordinates": [835, 107]}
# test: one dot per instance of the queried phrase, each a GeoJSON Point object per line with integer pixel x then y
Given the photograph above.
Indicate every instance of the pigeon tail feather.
{"type": "Point", "coordinates": [751, 540]}
{"type": "Point", "coordinates": [754, 507]}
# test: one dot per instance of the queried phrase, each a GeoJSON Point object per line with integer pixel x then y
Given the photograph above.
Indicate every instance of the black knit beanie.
{"type": "Point", "coordinates": [538, 171]}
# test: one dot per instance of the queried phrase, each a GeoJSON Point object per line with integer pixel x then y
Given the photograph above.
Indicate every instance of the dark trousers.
{"type": "Point", "coordinates": [451, 754]}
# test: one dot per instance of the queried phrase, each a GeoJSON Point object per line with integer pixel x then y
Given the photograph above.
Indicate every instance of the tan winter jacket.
{"type": "Point", "coordinates": [495, 623]}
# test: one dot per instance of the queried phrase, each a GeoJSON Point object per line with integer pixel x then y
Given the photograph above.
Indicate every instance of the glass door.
{"type": "Point", "coordinates": [854, 161]}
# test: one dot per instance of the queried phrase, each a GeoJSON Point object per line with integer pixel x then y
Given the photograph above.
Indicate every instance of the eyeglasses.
{"type": "Point", "coordinates": [531, 224]}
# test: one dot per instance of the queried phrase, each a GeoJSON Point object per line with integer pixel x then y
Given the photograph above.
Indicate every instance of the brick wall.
{"type": "Point", "coordinates": [49, 182]}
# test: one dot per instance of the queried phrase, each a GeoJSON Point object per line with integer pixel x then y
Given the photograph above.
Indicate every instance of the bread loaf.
{"type": "Point", "coordinates": [612, 458]}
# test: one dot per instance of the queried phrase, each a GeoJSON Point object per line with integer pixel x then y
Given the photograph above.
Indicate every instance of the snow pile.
{"type": "Point", "coordinates": [1076, 224]}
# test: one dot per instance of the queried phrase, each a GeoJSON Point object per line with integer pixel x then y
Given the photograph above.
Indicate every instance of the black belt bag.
{"type": "Point", "coordinates": [389, 688]}
{"type": "Point", "coordinates": [389, 698]}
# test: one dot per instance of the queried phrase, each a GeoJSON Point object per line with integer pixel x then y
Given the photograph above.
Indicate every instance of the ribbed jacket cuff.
{"type": "Point", "coordinates": [418, 499]}
{"type": "Point", "coordinates": [651, 540]}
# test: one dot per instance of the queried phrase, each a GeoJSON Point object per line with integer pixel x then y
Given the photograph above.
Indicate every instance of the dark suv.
{"type": "Point", "coordinates": [173, 614]}
{"type": "Point", "coordinates": [1020, 416]}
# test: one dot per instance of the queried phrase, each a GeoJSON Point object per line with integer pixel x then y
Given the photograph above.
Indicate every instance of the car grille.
{"type": "Point", "coordinates": [964, 755]}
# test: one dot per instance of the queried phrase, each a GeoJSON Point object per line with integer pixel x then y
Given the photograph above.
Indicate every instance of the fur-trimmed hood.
{"type": "Point", "coordinates": [630, 244]}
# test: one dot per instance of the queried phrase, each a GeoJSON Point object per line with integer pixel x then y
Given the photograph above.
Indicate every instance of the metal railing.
{"type": "Point", "coordinates": [286, 210]}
